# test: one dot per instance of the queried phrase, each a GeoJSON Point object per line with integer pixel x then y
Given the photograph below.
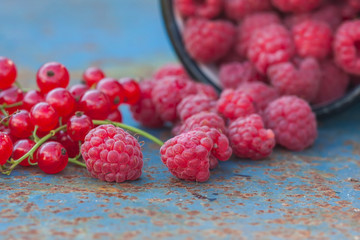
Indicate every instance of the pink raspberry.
{"type": "Point", "coordinates": [111, 154]}
{"type": "Point", "coordinates": [208, 41]}
{"type": "Point", "coordinates": [333, 84]}
{"type": "Point", "coordinates": [292, 121]}
{"type": "Point", "coordinates": [231, 75]}
{"type": "Point", "coordinates": [200, 8]}
{"type": "Point", "coordinates": [270, 45]}
{"type": "Point", "coordinates": [237, 9]}
{"type": "Point", "coordinates": [208, 119]}
{"type": "Point", "coordinates": [170, 70]}
{"type": "Point", "coordinates": [251, 24]}
{"type": "Point", "coordinates": [301, 80]}
{"type": "Point", "coordinates": [187, 156]}
{"type": "Point", "coordinates": [296, 5]}
{"type": "Point", "coordinates": [249, 139]}
{"type": "Point", "coordinates": [207, 90]}
{"type": "Point", "coordinates": [346, 46]}
{"type": "Point", "coordinates": [233, 104]}
{"type": "Point", "coordinates": [261, 93]}
{"type": "Point", "coordinates": [144, 111]}
{"type": "Point", "coordinates": [312, 39]}
{"type": "Point", "coordinates": [193, 104]}
{"type": "Point", "coordinates": [168, 93]}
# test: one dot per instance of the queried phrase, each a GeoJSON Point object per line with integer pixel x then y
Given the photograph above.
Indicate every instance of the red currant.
{"type": "Point", "coordinates": [52, 75]}
{"type": "Point", "coordinates": [7, 73]}
{"type": "Point", "coordinates": [6, 147]}
{"type": "Point", "coordinates": [113, 89]}
{"type": "Point", "coordinates": [52, 157]}
{"type": "Point", "coordinates": [78, 90]}
{"type": "Point", "coordinates": [95, 104]}
{"type": "Point", "coordinates": [31, 98]}
{"type": "Point", "coordinates": [132, 90]}
{"type": "Point", "coordinates": [62, 101]}
{"type": "Point", "coordinates": [115, 116]}
{"type": "Point", "coordinates": [44, 116]}
{"type": "Point", "coordinates": [78, 126]}
{"type": "Point", "coordinates": [71, 146]}
{"type": "Point", "coordinates": [10, 96]}
{"type": "Point", "coordinates": [20, 124]}
{"type": "Point", "coordinates": [92, 76]}
{"type": "Point", "coordinates": [22, 147]}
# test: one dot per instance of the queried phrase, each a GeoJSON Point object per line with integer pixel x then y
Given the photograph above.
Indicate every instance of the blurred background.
{"type": "Point", "coordinates": [125, 38]}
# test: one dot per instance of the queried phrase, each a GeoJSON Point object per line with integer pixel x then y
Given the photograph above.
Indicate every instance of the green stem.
{"type": "Point", "coordinates": [17, 104]}
{"type": "Point", "coordinates": [75, 161]}
{"type": "Point", "coordinates": [19, 86]}
{"type": "Point", "coordinates": [36, 138]}
{"type": "Point", "coordinates": [6, 114]}
{"type": "Point", "coordinates": [132, 129]}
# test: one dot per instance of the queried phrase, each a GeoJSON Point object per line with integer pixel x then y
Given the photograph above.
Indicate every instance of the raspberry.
{"type": "Point", "coordinates": [312, 39]}
{"type": "Point", "coordinates": [261, 93]}
{"type": "Point", "coordinates": [237, 9]}
{"type": "Point", "coordinates": [251, 24]}
{"type": "Point", "coordinates": [249, 139]}
{"type": "Point", "coordinates": [200, 8]}
{"type": "Point", "coordinates": [144, 111]}
{"type": "Point", "coordinates": [193, 104]}
{"type": "Point", "coordinates": [296, 5]}
{"type": "Point", "coordinates": [346, 46]}
{"type": "Point", "coordinates": [231, 75]}
{"type": "Point", "coordinates": [168, 93]}
{"type": "Point", "coordinates": [234, 103]}
{"type": "Point", "coordinates": [209, 119]}
{"type": "Point", "coordinates": [111, 154]}
{"type": "Point", "coordinates": [301, 80]}
{"type": "Point", "coordinates": [207, 90]}
{"type": "Point", "coordinates": [333, 83]}
{"type": "Point", "coordinates": [172, 69]}
{"type": "Point", "coordinates": [208, 41]}
{"type": "Point", "coordinates": [292, 121]}
{"type": "Point", "coordinates": [187, 156]}
{"type": "Point", "coordinates": [270, 45]}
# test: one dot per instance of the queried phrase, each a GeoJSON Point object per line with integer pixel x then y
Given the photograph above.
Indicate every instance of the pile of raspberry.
{"type": "Point", "coordinates": [308, 49]}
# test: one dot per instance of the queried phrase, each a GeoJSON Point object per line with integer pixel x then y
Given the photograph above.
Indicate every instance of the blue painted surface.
{"type": "Point", "coordinates": [313, 194]}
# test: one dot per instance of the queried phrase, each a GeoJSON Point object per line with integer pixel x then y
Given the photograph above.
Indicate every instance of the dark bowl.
{"type": "Point", "coordinates": [208, 73]}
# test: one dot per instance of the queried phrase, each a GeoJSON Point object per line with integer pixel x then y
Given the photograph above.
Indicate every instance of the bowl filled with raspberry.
{"type": "Point", "coordinates": [307, 49]}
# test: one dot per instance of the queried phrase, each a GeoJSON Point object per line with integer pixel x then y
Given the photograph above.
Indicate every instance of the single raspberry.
{"type": "Point", "coordinates": [249, 139]}
{"type": "Point", "coordinates": [111, 154]}
{"type": "Point", "coordinates": [200, 8]}
{"type": "Point", "coordinates": [270, 45]}
{"type": "Point", "coordinates": [235, 103]}
{"type": "Point", "coordinates": [261, 93]}
{"type": "Point", "coordinates": [231, 75]}
{"type": "Point", "coordinates": [301, 79]}
{"type": "Point", "coordinates": [296, 5]}
{"type": "Point", "coordinates": [187, 156]}
{"type": "Point", "coordinates": [209, 119]}
{"type": "Point", "coordinates": [144, 111]}
{"type": "Point", "coordinates": [346, 46]}
{"type": "Point", "coordinates": [312, 39]}
{"type": "Point", "coordinates": [292, 121]}
{"type": "Point", "coordinates": [208, 41]}
{"type": "Point", "coordinates": [193, 104]}
{"type": "Point", "coordinates": [251, 24]}
{"type": "Point", "coordinates": [168, 93]}
{"type": "Point", "coordinates": [205, 89]}
{"type": "Point", "coordinates": [333, 84]}
{"type": "Point", "coordinates": [237, 9]}
{"type": "Point", "coordinates": [168, 70]}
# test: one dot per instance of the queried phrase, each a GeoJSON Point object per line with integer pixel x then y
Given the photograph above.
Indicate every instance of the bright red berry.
{"type": "Point", "coordinates": [31, 98]}
{"type": "Point", "coordinates": [62, 101]}
{"type": "Point", "coordinates": [7, 72]}
{"type": "Point", "coordinates": [113, 90]}
{"type": "Point", "coordinates": [10, 96]}
{"type": "Point", "coordinates": [52, 157]}
{"type": "Point", "coordinates": [70, 145]}
{"type": "Point", "coordinates": [78, 126]}
{"type": "Point", "coordinates": [44, 116]}
{"type": "Point", "coordinates": [20, 124]}
{"type": "Point", "coordinates": [93, 75]}
{"type": "Point", "coordinates": [95, 104]}
{"type": "Point", "coordinates": [115, 116]}
{"type": "Point", "coordinates": [6, 147]}
{"type": "Point", "coordinates": [22, 147]}
{"type": "Point", "coordinates": [52, 75]}
{"type": "Point", "coordinates": [131, 90]}
{"type": "Point", "coordinates": [78, 90]}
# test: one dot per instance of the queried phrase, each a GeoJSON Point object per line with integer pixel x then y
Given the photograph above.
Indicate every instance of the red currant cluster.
{"type": "Point", "coordinates": [46, 127]}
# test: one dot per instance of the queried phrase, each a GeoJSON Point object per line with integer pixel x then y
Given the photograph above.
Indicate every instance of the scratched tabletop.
{"type": "Point", "coordinates": [314, 194]}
